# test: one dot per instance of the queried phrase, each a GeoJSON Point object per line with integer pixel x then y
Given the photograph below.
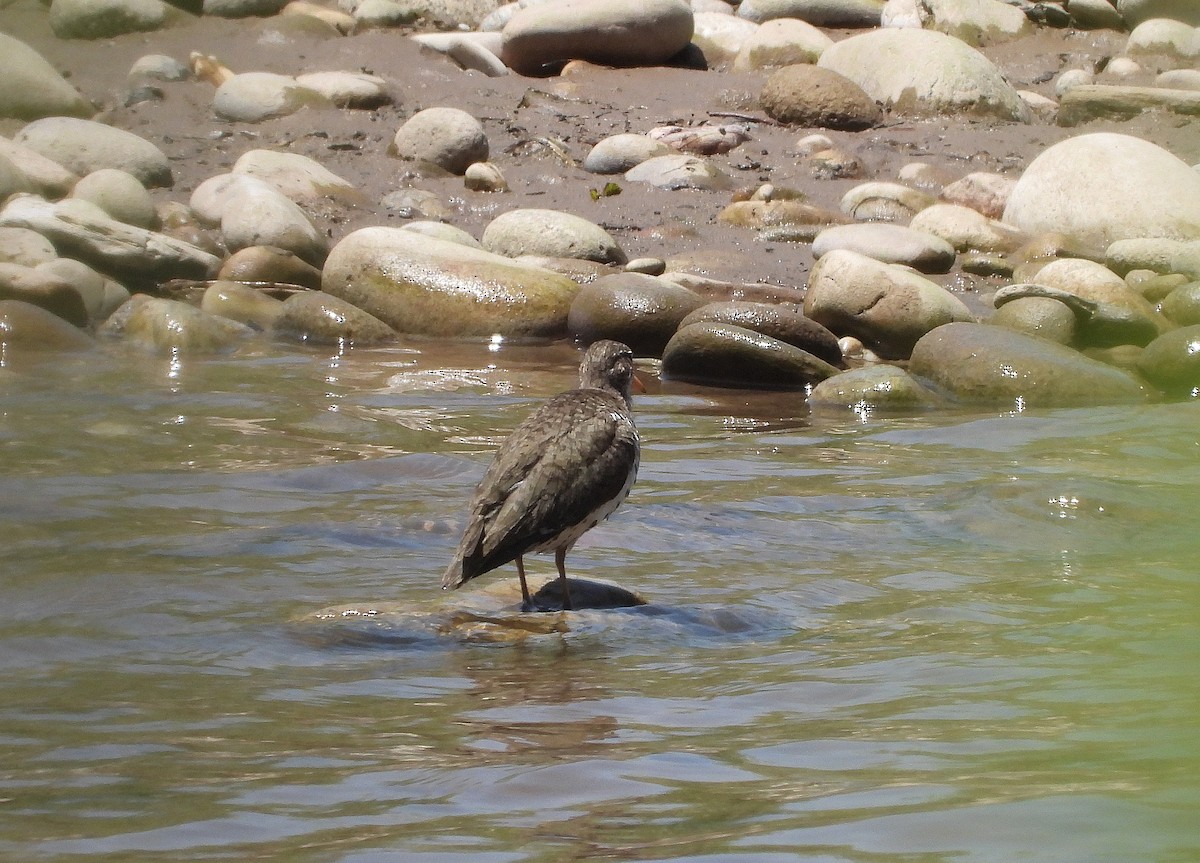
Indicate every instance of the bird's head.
{"type": "Point", "coordinates": [608, 365]}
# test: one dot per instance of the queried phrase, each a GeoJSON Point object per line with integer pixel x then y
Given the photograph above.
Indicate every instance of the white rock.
{"type": "Point", "coordinates": [299, 178]}
{"type": "Point", "coordinates": [1103, 187]}
{"type": "Point", "coordinates": [721, 36]}
{"type": "Point", "coordinates": [679, 171]}
{"type": "Point", "coordinates": [348, 89]}
{"type": "Point", "coordinates": [1164, 36]}
{"type": "Point", "coordinates": [252, 97]}
{"type": "Point", "coordinates": [1072, 78]}
{"type": "Point", "coordinates": [442, 231]}
{"type": "Point", "coordinates": [892, 244]}
{"type": "Point", "coordinates": [966, 229]}
{"type": "Point", "coordinates": [44, 176]}
{"type": "Point", "coordinates": [447, 137]}
{"type": "Point", "coordinates": [261, 215]}
{"type": "Point", "coordinates": [977, 22]}
{"type": "Point", "coordinates": [84, 146]}
{"type": "Point", "coordinates": [781, 42]}
{"type": "Point", "coordinates": [981, 190]}
{"type": "Point", "coordinates": [903, 13]}
{"type": "Point", "coordinates": [924, 72]}
{"type": "Point", "coordinates": [26, 247]}
{"type": "Point", "coordinates": [1179, 79]}
{"type": "Point", "coordinates": [612, 32]}
{"type": "Point", "coordinates": [31, 88]}
{"type": "Point", "coordinates": [120, 195]}
{"type": "Point", "coordinates": [551, 233]}
{"type": "Point", "coordinates": [821, 13]}
{"type": "Point", "coordinates": [616, 154]}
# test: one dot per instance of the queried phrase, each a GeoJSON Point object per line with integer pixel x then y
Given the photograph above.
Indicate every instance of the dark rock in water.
{"type": "Point", "coordinates": [784, 321]}
{"type": "Point", "coordinates": [585, 594]}
{"type": "Point", "coordinates": [726, 355]}
{"type": "Point", "coordinates": [641, 311]}
{"type": "Point", "coordinates": [1172, 361]}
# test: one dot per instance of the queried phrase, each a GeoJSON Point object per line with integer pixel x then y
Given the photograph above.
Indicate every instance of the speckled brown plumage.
{"type": "Point", "coordinates": [562, 471]}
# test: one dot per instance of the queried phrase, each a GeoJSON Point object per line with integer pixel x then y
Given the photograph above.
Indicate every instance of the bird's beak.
{"type": "Point", "coordinates": [636, 385]}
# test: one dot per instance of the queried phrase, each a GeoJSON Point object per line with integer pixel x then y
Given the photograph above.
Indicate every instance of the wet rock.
{"type": "Point", "coordinates": [641, 311]}
{"type": "Point", "coordinates": [679, 171]}
{"type": "Point", "coordinates": [994, 365]}
{"type": "Point", "coordinates": [780, 42]}
{"type": "Point", "coordinates": [727, 355]}
{"type": "Point", "coordinates": [102, 19]}
{"type": "Point", "coordinates": [446, 137]}
{"type": "Point", "coordinates": [45, 290]}
{"type": "Point", "coordinates": [169, 327]}
{"type": "Point", "coordinates": [884, 202]}
{"type": "Point", "coordinates": [809, 95]}
{"type": "Point", "coordinates": [321, 319]}
{"type": "Point", "coordinates": [616, 154]}
{"type": "Point", "coordinates": [30, 88]}
{"type": "Point", "coordinates": [1045, 317]}
{"type": "Point", "coordinates": [1178, 79]}
{"type": "Point", "coordinates": [1157, 254]}
{"type": "Point", "coordinates": [892, 244]}
{"type": "Point", "coordinates": [1182, 305]}
{"type": "Point", "coordinates": [241, 303]}
{"type": "Point", "coordinates": [783, 321]}
{"type": "Point", "coordinates": [924, 72]}
{"type": "Point", "coordinates": [252, 97]}
{"type": "Point", "coordinates": [84, 146]}
{"type": "Point", "coordinates": [648, 266]}
{"type": "Point", "coordinates": [1136, 11]}
{"type": "Point", "coordinates": [1096, 15]}
{"type": "Point", "coordinates": [967, 229]}
{"type": "Point", "coordinates": [484, 177]}
{"type": "Point", "coordinates": [821, 13]}
{"type": "Point", "coordinates": [888, 307]}
{"type": "Point", "coordinates": [299, 178]}
{"type": "Point", "coordinates": [873, 388]}
{"type": "Point", "coordinates": [420, 204]}
{"type": "Point", "coordinates": [1131, 320]}
{"type": "Point", "coordinates": [242, 8]}
{"type": "Point", "coordinates": [1172, 361]}
{"type": "Point", "coordinates": [269, 264]}
{"type": "Point", "coordinates": [539, 38]}
{"type": "Point", "coordinates": [552, 233]}
{"type": "Point", "coordinates": [787, 212]}
{"type": "Point", "coordinates": [25, 247]}
{"type": "Point", "coordinates": [39, 174]}
{"type": "Point", "coordinates": [120, 195]}
{"type": "Point", "coordinates": [1102, 187]}
{"type": "Point", "coordinates": [422, 285]}
{"type": "Point", "coordinates": [84, 231]}
{"type": "Point", "coordinates": [27, 327]}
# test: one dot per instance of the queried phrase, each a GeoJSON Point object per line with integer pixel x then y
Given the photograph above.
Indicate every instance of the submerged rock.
{"type": "Point", "coordinates": [727, 355]}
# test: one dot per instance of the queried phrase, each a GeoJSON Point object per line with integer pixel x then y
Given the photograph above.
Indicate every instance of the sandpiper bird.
{"type": "Point", "coordinates": [560, 473]}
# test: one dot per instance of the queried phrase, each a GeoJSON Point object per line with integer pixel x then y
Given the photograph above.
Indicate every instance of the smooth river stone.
{"type": "Point", "coordinates": [551, 233]}
{"type": "Point", "coordinates": [31, 88]}
{"type": "Point", "coordinates": [641, 311]}
{"type": "Point", "coordinates": [24, 326]}
{"type": "Point", "coordinates": [45, 290]}
{"type": "Point", "coordinates": [888, 307]}
{"type": "Point", "coordinates": [612, 32]}
{"type": "Point", "coordinates": [84, 146]}
{"type": "Point", "coordinates": [892, 244]}
{"type": "Point", "coordinates": [878, 387]}
{"type": "Point", "coordinates": [169, 327]}
{"type": "Point", "coordinates": [450, 138]}
{"type": "Point", "coordinates": [241, 303]}
{"type": "Point", "coordinates": [318, 318]}
{"type": "Point", "coordinates": [422, 285]}
{"type": "Point", "coordinates": [821, 13]}
{"type": "Point", "coordinates": [1172, 361]}
{"type": "Point", "coordinates": [783, 321]}
{"type": "Point", "coordinates": [995, 365]}
{"type": "Point", "coordinates": [726, 355]}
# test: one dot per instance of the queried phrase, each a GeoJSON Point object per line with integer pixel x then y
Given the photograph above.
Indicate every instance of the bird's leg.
{"type": "Point", "coordinates": [524, 587]}
{"type": "Point", "coordinates": [560, 560]}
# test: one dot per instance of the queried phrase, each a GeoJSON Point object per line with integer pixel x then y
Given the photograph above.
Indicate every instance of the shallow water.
{"type": "Point", "coordinates": [949, 637]}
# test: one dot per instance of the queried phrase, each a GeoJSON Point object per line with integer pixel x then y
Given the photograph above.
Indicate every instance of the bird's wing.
{"type": "Point", "coordinates": [569, 457]}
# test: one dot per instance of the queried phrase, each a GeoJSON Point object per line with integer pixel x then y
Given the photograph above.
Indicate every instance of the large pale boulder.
{"type": "Point", "coordinates": [30, 88]}
{"type": "Point", "coordinates": [720, 36]}
{"type": "Point", "coordinates": [1137, 11]}
{"type": "Point", "coordinates": [996, 365]}
{"type": "Point", "coordinates": [976, 22]}
{"type": "Point", "coordinates": [925, 72]}
{"type": "Point", "coordinates": [781, 42]}
{"type": "Point", "coordinates": [888, 307]}
{"type": "Point", "coordinates": [1103, 187]}
{"type": "Point", "coordinates": [84, 146]}
{"type": "Point", "coordinates": [613, 32]}
{"type": "Point", "coordinates": [423, 285]}
{"type": "Point", "coordinates": [551, 233]}
{"type": "Point", "coordinates": [101, 19]}
{"type": "Point", "coordinates": [821, 13]}
{"type": "Point", "coordinates": [297, 176]}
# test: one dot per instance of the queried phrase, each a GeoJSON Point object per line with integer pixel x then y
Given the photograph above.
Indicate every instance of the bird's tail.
{"type": "Point", "coordinates": [453, 577]}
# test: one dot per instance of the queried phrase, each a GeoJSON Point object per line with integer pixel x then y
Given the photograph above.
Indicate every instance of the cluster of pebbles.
{"type": "Point", "coordinates": [1074, 279]}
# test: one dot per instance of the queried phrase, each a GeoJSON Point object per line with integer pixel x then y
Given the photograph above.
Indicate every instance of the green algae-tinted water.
{"type": "Point", "coordinates": [949, 637]}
